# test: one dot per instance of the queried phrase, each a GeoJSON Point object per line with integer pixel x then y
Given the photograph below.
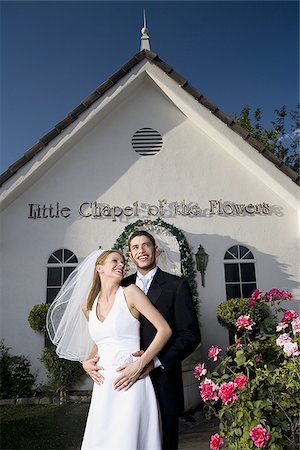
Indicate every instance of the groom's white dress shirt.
{"type": "Point", "coordinates": [143, 282]}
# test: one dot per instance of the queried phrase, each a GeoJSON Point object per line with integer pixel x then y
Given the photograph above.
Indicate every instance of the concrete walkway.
{"type": "Point", "coordinates": [195, 432]}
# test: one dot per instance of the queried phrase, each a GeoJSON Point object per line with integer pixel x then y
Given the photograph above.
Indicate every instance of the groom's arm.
{"type": "Point", "coordinates": [185, 328]}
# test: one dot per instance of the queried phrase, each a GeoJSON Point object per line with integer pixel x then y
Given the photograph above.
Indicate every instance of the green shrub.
{"type": "Point", "coordinates": [230, 310]}
{"type": "Point", "coordinates": [37, 317]}
{"type": "Point", "coordinates": [16, 379]}
{"type": "Point", "coordinates": [63, 374]}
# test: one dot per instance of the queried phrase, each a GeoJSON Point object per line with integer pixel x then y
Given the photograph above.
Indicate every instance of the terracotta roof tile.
{"type": "Point", "coordinates": [105, 86]}
{"type": "Point", "coordinates": [198, 96]}
{"type": "Point", "coordinates": [18, 164]}
{"type": "Point", "coordinates": [208, 104]}
{"type": "Point", "coordinates": [151, 55]}
{"type": "Point", "coordinates": [256, 144]}
{"type": "Point", "coordinates": [240, 130]}
{"type": "Point", "coordinates": [224, 117]}
{"type": "Point", "coordinates": [193, 91]}
{"type": "Point", "coordinates": [118, 75]}
{"type": "Point", "coordinates": [163, 66]}
{"type": "Point", "coordinates": [273, 158]}
{"type": "Point", "coordinates": [91, 99]}
{"type": "Point", "coordinates": [50, 136]}
{"type": "Point", "coordinates": [129, 65]}
{"type": "Point", "coordinates": [289, 172]}
{"type": "Point", "coordinates": [34, 150]}
{"type": "Point", "coordinates": [177, 77]}
{"type": "Point", "coordinates": [64, 123]}
{"type": "Point", "coordinates": [6, 176]}
{"type": "Point", "coordinates": [77, 111]}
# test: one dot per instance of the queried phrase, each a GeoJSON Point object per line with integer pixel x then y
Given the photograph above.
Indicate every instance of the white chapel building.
{"type": "Point", "coordinates": [147, 150]}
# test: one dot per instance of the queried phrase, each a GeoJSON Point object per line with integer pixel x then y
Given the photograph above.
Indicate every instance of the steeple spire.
{"type": "Point", "coordinates": [145, 40]}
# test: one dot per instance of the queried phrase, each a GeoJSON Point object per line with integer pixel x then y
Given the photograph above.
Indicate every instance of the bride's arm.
{"type": "Point", "coordinates": [90, 363]}
{"type": "Point", "coordinates": [138, 303]}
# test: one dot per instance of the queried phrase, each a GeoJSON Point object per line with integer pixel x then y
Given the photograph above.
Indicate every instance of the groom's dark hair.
{"type": "Point", "coordinates": [141, 233]}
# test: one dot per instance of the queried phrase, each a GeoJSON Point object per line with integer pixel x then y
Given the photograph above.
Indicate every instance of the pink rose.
{"type": "Point", "coordinates": [273, 295]}
{"type": "Point", "coordinates": [208, 390]}
{"type": "Point", "coordinates": [240, 381]}
{"type": "Point", "coordinates": [259, 436]}
{"type": "Point", "coordinates": [291, 349]}
{"type": "Point", "coordinates": [296, 325]}
{"type": "Point", "coordinates": [286, 295]}
{"type": "Point", "coordinates": [238, 344]}
{"type": "Point", "coordinates": [244, 322]}
{"type": "Point", "coordinates": [267, 297]}
{"type": "Point", "coordinates": [281, 326]}
{"type": "Point", "coordinates": [227, 392]}
{"type": "Point", "coordinates": [289, 315]}
{"type": "Point", "coordinates": [199, 371]}
{"type": "Point", "coordinates": [255, 297]}
{"type": "Point", "coordinates": [213, 352]}
{"type": "Point", "coordinates": [283, 339]}
{"type": "Point", "coordinates": [215, 442]}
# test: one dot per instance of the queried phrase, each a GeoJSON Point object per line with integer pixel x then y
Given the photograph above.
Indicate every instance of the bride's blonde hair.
{"type": "Point", "coordinates": [96, 285]}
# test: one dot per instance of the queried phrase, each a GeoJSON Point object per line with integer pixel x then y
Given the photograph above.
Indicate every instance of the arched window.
{"type": "Point", "coordinates": [240, 279]}
{"type": "Point", "coordinates": [60, 264]}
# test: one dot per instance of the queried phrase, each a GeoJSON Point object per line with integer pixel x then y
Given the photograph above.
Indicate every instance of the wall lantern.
{"type": "Point", "coordinates": [201, 261]}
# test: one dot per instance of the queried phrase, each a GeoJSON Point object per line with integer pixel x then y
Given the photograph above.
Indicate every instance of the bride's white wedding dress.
{"type": "Point", "coordinates": [120, 420]}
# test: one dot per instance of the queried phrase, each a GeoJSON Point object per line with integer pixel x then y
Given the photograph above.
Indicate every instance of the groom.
{"type": "Point", "coordinates": [171, 295]}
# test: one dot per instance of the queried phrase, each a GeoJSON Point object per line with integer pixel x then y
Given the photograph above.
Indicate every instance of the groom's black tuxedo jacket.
{"type": "Point", "coordinates": [171, 295]}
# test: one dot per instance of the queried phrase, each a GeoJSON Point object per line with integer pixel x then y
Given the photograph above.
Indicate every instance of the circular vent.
{"type": "Point", "coordinates": [147, 141]}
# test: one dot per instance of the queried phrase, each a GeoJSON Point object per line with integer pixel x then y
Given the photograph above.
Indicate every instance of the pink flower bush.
{"type": "Point", "coordinates": [227, 392]}
{"type": "Point", "coordinates": [254, 361]}
{"type": "Point", "coordinates": [274, 295]}
{"type": "Point", "coordinates": [240, 381]}
{"type": "Point", "coordinates": [199, 371]}
{"type": "Point", "coordinates": [213, 352]}
{"type": "Point", "coordinates": [244, 322]}
{"type": "Point", "coordinates": [296, 325]}
{"type": "Point", "coordinates": [215, 441]}
{"type": "Point", "coordinates": [291, 348]}
{"type": "Point", "coordinates": [283, 339]}
{"type": "Point", "coordinates": [208, 390]}
{"type": "Point", "coordinates": [259, 436]}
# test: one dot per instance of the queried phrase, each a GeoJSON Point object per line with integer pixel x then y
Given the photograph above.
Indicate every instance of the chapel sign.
{"type": "Point", "coordinates": [162, 208]}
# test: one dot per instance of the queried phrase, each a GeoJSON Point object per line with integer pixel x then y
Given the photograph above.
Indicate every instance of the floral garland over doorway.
{"type": "Point", "coordinates": [186, 258]}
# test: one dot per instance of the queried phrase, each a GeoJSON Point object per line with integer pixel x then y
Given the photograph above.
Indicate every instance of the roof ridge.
{"type": "Point", "coordinates": [184, 84]}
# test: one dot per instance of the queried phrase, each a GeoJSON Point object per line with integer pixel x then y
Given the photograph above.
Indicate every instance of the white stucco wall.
{"type": "Point", "coordinates": [194, 165]}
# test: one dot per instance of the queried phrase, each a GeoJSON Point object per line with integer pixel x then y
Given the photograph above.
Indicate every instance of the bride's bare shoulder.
{"type": "Point", "coordinates": [132, 289]}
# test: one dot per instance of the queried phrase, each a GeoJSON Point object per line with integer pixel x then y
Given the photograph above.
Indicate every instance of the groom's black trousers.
{"type": "Point", "coordinates": [170, 429]}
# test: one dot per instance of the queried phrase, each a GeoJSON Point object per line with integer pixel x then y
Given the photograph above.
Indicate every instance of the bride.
{"type": "Point", "coordinates": [122, 416]}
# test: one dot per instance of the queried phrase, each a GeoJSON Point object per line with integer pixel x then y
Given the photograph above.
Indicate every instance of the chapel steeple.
{"type": "Point", "coordinates": [145, 39]}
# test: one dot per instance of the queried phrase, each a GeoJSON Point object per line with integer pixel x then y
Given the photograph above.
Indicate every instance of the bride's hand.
{"type": "Point", "coordinates": [129, 374]}
{"type": "Point", "coordinates": [92, 369]}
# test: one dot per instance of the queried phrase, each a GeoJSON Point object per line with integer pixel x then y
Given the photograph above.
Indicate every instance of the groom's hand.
{"type": "Point", "coordinates": [148, 368]}
{"type": "Point", "coordinates": [92, 369]}
{"type": "Point", "coordinates": [127, 378]}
